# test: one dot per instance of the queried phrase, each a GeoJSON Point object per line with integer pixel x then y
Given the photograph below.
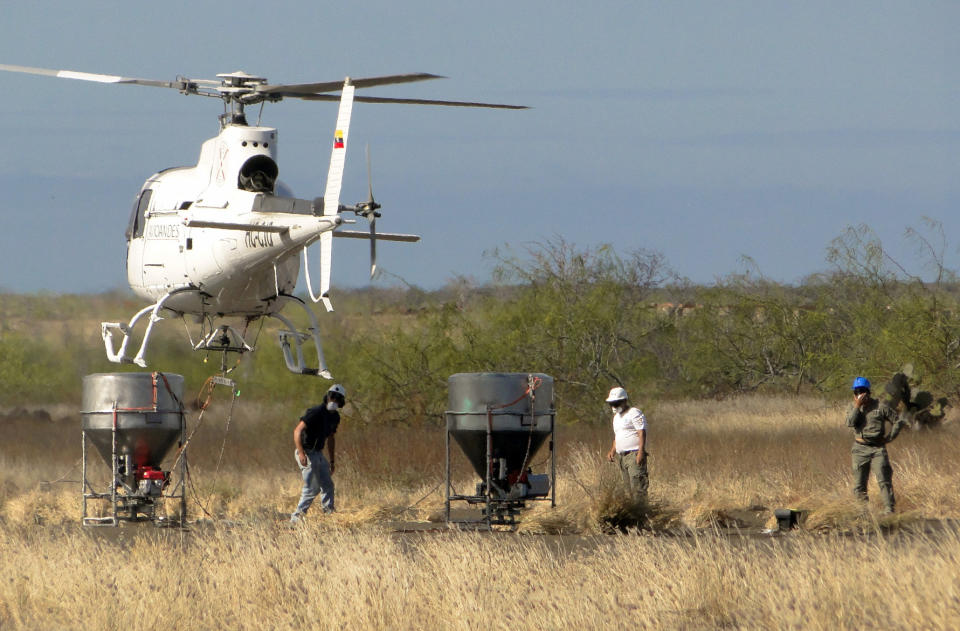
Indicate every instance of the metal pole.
{"type": "Point", "coordinates": [83, 474]}
{"type": "Point", "coordinates": [183, 470]}
{"type": "Point", "coordinates": [115, 468]}
{"type": "Point", "coordinates": [489, 463]}
{"type": "Point", "coordinates": [553, 462]}
{"type": "Point", "coordinates": [113, 460]}
{"type": "Point", "coordinates": [447, 445]}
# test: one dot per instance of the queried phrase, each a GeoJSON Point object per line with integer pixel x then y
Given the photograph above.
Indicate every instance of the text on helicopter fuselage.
{"type": "Point", "coordinates": [258, 239]}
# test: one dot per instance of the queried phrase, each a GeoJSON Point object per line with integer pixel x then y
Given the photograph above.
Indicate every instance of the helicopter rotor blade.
{"type": "Point", "coordinates": [301, 89]}
{"type": "Point", "coordinates": [371, 214]}
{"type": "Point", "coordinates": [369, 175]}
{"type": "Point", "coordinates": [180, 84]}
{"type": "Point", "coordinates": [247, 89]}
{"type": "Point", "coordinates": [380, 99]}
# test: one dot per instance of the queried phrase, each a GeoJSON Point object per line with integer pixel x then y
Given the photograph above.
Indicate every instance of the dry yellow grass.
{"type": "Point", "coordinates": [713, 465]}
{"type": "Point", "coordinates": [261, 576]}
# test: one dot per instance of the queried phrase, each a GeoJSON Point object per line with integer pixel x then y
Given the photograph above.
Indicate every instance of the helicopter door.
{"type": "Point", "coordinates": [204, 261]}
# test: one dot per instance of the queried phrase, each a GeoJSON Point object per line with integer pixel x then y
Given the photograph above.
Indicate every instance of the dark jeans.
{"type": "Point", "coordinates": [316, 481]}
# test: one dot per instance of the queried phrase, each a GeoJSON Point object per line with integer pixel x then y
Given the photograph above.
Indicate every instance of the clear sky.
{"type": "Point", "coordinates": [704, 130]}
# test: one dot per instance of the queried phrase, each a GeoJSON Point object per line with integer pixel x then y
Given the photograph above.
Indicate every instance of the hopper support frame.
{"type": "Point", "coordinates": [499, 505]}
{"type": "Point", "coordinates": [125, 503]}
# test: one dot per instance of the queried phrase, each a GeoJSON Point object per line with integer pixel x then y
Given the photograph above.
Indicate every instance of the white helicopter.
{"type": "Point", "coordinates": [224, 238]}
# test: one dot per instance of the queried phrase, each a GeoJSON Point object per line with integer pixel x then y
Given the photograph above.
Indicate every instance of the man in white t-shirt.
{"type": "Point", "coordinates": [629, 444]}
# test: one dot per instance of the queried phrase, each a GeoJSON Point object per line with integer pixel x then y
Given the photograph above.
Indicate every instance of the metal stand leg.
{"type": "Point", "coordinates": [182, 473]}
{"type": "Point", "coordinates": [83, 474]}
{"type": "Point", "coordinates": [553, 464]}
{"type": "Point", "coordinates": [447, 441]}
{"type": "Point", "coordinates": [489, 481]}
{"type": "Point", "coordinates": [115, 472]}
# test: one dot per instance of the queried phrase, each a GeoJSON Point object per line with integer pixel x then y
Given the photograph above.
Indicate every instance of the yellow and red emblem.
{"type": "Point", "coordinates": [338, 139]}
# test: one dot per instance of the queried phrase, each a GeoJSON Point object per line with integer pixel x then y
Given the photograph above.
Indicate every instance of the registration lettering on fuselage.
{"type": "Point", "coordinates": [258, 239]}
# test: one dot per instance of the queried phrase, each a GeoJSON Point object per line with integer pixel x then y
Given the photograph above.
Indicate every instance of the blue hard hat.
{"type": "Point", "coordinates": [861, 382]}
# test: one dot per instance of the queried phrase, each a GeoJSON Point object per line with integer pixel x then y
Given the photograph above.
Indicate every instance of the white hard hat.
{"type": "Point", "coordinates": [338, 389]}
{"type": "Point", "coordinates": [617, 394]}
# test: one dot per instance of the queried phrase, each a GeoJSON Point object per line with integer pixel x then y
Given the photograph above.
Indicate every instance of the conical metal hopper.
{"type": "Point", "coordinates": [519, 425]}
{"type": "Point", "coordinates": [148, 414]}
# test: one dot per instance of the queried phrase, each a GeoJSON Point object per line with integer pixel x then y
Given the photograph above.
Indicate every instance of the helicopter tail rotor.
{"type": "Point", "coordinates": [370, 210]}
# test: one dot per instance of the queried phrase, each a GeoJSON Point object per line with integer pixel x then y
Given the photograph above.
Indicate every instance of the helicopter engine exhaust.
{"type": "Point", "coordinates": [258, 175]}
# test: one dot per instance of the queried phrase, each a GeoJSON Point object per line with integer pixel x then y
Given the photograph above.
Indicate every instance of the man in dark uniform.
{"type": "Point", "coordinates": [317, 426]}
{"type": "Point", "coordinates": [869, 417]}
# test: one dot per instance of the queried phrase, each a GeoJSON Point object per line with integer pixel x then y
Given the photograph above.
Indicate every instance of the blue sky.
{"type": "Point", "coordinates": [703, 130]}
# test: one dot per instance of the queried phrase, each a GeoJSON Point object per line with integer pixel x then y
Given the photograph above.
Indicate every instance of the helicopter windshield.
{"type": "Point", "coordinates": [135, 227]}
{"type": "Point", "coordinates": [258, 175]}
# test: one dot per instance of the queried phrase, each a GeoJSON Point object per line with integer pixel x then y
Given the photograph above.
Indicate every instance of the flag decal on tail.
{"type": "Point", "coordinates": [338, 139]}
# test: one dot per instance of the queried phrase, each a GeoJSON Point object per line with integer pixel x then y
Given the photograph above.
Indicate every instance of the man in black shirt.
{"type": "Point", "coordinates": [318, 426]}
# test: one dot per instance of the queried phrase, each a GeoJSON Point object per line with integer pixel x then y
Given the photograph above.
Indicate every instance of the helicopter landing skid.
{"type": "Point", "coordinates": [223, 338]}
{"type": "Point", "coordinates": [294, 357]}
{"type": "Point", "coordinates": [107, 329]}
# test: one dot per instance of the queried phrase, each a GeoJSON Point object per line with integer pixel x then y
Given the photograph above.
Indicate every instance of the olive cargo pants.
{"type": "Point", "coordinates": [635, 476]}
{"type": "Point", "coordinates": [867, 458]}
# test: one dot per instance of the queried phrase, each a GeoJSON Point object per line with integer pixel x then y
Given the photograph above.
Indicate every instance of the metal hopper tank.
{"type": "Point", "coordinates": [133, 420]}
{"type": "Point", "coordinates": [500, 421]}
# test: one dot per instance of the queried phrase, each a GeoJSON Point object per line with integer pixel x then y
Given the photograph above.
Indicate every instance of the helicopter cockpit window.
{"type": "Point", "coordinates": [137, 216]}
{"type": "Point", "coordinates": [258, 175]}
